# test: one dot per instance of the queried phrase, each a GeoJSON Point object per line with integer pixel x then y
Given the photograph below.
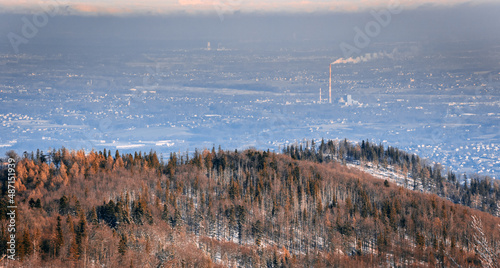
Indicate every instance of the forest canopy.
{"type": "Point", "coordinates": [302, 207]}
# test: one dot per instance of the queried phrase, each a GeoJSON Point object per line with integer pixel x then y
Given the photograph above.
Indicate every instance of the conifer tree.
{"type": "Point", "coordinates": [164, 215]}
{"type": "Point", "coordinates": [93, 217]}
{"type": "Point", "coordinates": [122, 245]}
{"type": "Point", "coordinates": [59, 238]}
{"type": "Point", "coordinates": [81, 234]}
{"type": "Point", "coordinates": [25, 246]}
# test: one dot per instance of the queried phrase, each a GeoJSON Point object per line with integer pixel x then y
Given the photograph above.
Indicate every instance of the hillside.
{"type": "Point", "coordinates": [405, 169]}
{"type": "Point", "coordinates": [302, 208]}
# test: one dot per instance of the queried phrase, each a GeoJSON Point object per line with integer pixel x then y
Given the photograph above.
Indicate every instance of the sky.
{"type": "Point", "coordinates": [159, 7]}
{"type": "Point", "coordinates": [239, 24]}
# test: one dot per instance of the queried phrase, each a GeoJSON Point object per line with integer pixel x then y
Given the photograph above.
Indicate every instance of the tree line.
{"type": "Point", "coordinates": [219, 208]}
{"type": "Point", "coordinates": [479, 192]}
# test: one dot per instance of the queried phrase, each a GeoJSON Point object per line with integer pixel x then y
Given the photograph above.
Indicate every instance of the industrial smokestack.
{"type": "Point", "coordinates": [330, 86]}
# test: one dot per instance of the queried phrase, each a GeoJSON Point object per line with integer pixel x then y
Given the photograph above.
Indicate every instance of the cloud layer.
{"type": "Point", "coordinates": [130, 7]}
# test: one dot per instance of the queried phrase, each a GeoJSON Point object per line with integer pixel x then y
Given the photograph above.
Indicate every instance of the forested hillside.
{"type": "Point", "coordinates": [480, 192]}
{"type": "Point", "coordinates": [302, 208]}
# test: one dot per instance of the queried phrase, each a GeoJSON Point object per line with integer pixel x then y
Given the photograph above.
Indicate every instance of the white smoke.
{"type": "Point", "coordinates": [364, 58]}
{"type": "Point", "coordinates": [397, 53]}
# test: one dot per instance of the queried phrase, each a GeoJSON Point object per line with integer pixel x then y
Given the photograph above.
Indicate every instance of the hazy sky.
{"type": "Point", "coordinates": [300, 24]}
{"type": "Point", "coordinates": [124, 7]}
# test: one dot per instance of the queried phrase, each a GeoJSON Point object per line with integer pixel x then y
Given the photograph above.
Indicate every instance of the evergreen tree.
{"type": "Point", "coordinates": [164, 215]}
{"type": "Point", "coordinates": [81, 233]}
{"type": "Point", "coordinates": [122, 245]}
{"type": "Point", "coordinates": [25, 246]}
{"type": "Point", "coordinates": [59, 238]}
{"type": "Point", "coordinates": [93, 217]}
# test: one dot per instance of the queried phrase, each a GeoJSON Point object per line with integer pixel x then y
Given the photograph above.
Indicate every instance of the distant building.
{"type": "Point", "coordinates": [348, 101]}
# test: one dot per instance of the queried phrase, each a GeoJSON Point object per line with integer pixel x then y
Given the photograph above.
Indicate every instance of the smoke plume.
{"type": "Point", "coordinates": [397, 53]}
{"type": "Point", "coordinates": [363, 58]}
